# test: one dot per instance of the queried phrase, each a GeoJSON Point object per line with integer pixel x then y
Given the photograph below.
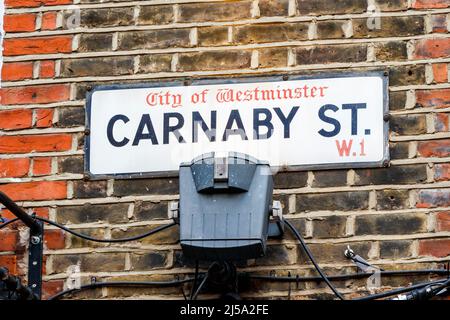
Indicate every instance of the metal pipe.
{"type": "Point", "coordinates": [20, 213]}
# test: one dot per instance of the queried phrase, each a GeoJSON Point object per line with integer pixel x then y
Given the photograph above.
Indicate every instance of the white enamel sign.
{"type": "Point", "coordinates": [332, 121]}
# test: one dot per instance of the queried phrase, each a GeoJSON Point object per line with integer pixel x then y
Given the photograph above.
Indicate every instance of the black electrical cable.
{"type": "Point", "coordinates": [195, 280]}
{"type": "Point", "coordinates": [3, 225]}
{"type": "Point", "coordinates": [200, 287]}
{"type": "Point", "coordinates": [86, 237]}
{"type": "Point", "coordinates": [348, 276]}
{"type": "Point", "coordinates": [311, 257]}
{"type": "Point", "coordinates": [121, 284]}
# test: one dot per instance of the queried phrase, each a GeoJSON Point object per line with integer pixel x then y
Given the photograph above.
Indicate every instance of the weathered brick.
{"type": "Point", "coordinates": [329, 227]}
{"type": "Point", "coordinates": [400, 26]}
{"type": "Point", "coordinates": [389, 224]}
{"type": "Point", "coordinates": [399, 150]}
{"type": "Point", "coordinates": [440, 72]}
{"type": "Point", "coordinates": [9, 240]}
{"type": "Point", "coordinates": [333, 201]}
{"type": "Point", "coordinates": [50, 288]}
{"type": "Point", "coordinates": [97, 66]}
{"type": "Point", "coordinates": [41, 45]}
{"type": "Point", "coordinates": [277, 254]}
{"type": "Point", "coordinates": [331, 53]}
{"type": "Point", "coordinates": [156, 15]}
{"type": "Point", "coordinates": [54, 239]}
{"type": "Point", "coordinates": [407, 75]}
{"type": "Point", "coordinates": [71, 165]}
{"type": "Point", "coordinates": [392, 5]}
{"type": "Point", "coordinates": [42, 166]}
{"type": "Point", "coordinates": [416, 173]}
{"type": "Point", "coordinates": [408, 124]}
{"type": "Point", "coordinates": [434, 247]}
{"type": "Point", "coordinates": [439, 98]}
{"type": "Point", "coordinates": [331, 29]}
{"type": "Point", "coordinates": [149, 261]}
{"type": "Point", "coordinates": [391, 51]}
{"type": "Point", "coordinates": [107, 17]}
{"type": "Point", "coordinates": [439, 23]}
{"type": "Point", "coordinates": [113, 213]}
{"type": "Point", "coordinates": [15, 119]}
{"type": "Point", "coordinates": [71, 117]}
{"type": "Point", "coordinates": [320, 7]}
{"type": "Point", "coordinates": [44, 118]}
{"type": "Point", "coordinates": [14, 168]}
{"type": "Point", "coordinates": [35, 143]}
{"type": "Point", "coordinates": [77, 242]}
{"type": "Point", "coordinates": [443, 221]}
{"type": "Point", "coordinates": [38, 190]}
{"type": "Point", "coordinates": [49, 21]}
{"type": "Point", "coordinates": [430, 4]}
{"type": "Point", "coordinates": [432, 48]}
{"type": "Point", "coordinates": [442, 122]}
{"type": "Point", "coordinates": [332, 252]}
{"type": "Point", "coordinates": [397, 100]}
{"type": "Point", "coordinates": [97, 262]}
{"type": "Point", "coordinates": [95, 42]}
{"type": "Point", "coordinates": [35, 94]}
{"type": "Point", "coordinates": [154, 39]}
{"type": "Point", "coordinates": [300, 225]}
{"type": "Point", "coordinates": [329, 178]}
{"type": "Point", "coordinates": [396, 249]}
{"type": "Point", "coordinates": [148, 211]}
{"type": "Point", "coordinates": [91, 189]}
{"type": "Point", "coordinates": [228, 11]}
{"type": "Point", "coordinates": [390, 199]}
{"type": "Point", "coordinates": [165, 237]}
{"type": "Point", "coordinates": [19, 22]}
{"type": "Point", "coordinates": [145, 186]}
{"type": "Point", "coordinates": [17, 71]}
{"type": "Point", "coordinates": [155, 63]}
{"type": "Point", "coordinates": [212, 36]}
{"type": "Point", "coordinates": [35, 3]}
{"type": "Point", "coordinates": [273, 57]}
{"type": "Point", "coordinates": [9, 262]}
{"type": "Point", "coordinates": [214, 60]}
{"type": "Point", "coordinates": [287, 180]}
{"type": "Point", "coordinates": [432, 198]}
{"type": "Point", "coordinates": [271, 8]}
{"type": "Point", "coordinates": [273, 32]}
{"type": "Point", "coordinates": [47, 69]}
{"type": "Point", "coordinates": [434, 148]}
{"type": "Point", "coordinates": [442, 172]}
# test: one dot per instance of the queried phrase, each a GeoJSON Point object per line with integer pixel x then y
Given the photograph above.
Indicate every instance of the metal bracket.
{"type": "Point", "coordinates": [276, 224]}
{"type": "Point", "coordinates": [35, 254]}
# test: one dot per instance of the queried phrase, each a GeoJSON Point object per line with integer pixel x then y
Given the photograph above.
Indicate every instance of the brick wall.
{"type": "Point", "coordinates": [396, 217]}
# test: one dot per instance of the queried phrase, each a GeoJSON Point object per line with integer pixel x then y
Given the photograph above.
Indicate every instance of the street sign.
{"type": "Point", "coordinates": [296, 123]}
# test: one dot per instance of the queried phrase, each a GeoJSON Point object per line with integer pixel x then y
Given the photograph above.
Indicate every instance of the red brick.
{"type": "Point", "coordinates": [430, 4]}
{"type": "Point", "coordinates": [439, 98]}
{"type": "Point", "coordinates": [440, 72]}
{"type": "Point", "coordinates": [434, 247]}
{"type": "Point", "coordinates": [15, 119]}
{"type": "Point", "coordinates": [17, 71]}
{"type": "Point", "coordinates": [35, 94]}
{"type": "Point", "coordinates": [9, 262]}
{"type": "Point", "coordinates": [50, 288]}
{"type": "Point", "coordinates": [41, 212]}
{"type": "Point", "coordinates": [47, 69]}
{"type": "Point", "coordinates": [8, 240]}
{"type": "Point", "coordinates": [38, 190]}
{"type": "Point", "coordinates": [41, 45]}
{"type": "Point", "coordinates": [442, 172]}
{"type": "Point", "coordinates": [14, 168]}
{"type": "Point", "coordinates": [20, 22]}
{"type": "Point", "coordinates": [433, 198]}
{"type": "Point", "coordinates": [443, 221]}
{"type": "Point", "coordinates": [441, 122]}
{"type": "Point", "coordinates": [42, 166]}
{"type": "Point", "coordinates": [432, 48]}
{"type": "Point", "coordinates": [435, 148]}
{"type": "Point", "coordinates": [54, 239]}
{"type": "Point", "coordinates": [35, 3]}
{"type": "Point", "coordinates": [44, 118]}
{"type": "Point", "coordinates": [49, 21]}
{"type": "Point", "coordinates": [35, 143]}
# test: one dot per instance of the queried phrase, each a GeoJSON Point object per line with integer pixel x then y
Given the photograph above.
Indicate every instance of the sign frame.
{"type": "Point", "coordinates": [190, 81]}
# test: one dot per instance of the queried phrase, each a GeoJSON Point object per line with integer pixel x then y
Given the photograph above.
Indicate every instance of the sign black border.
{"type": "Point", "coordinates": [383, 74]}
